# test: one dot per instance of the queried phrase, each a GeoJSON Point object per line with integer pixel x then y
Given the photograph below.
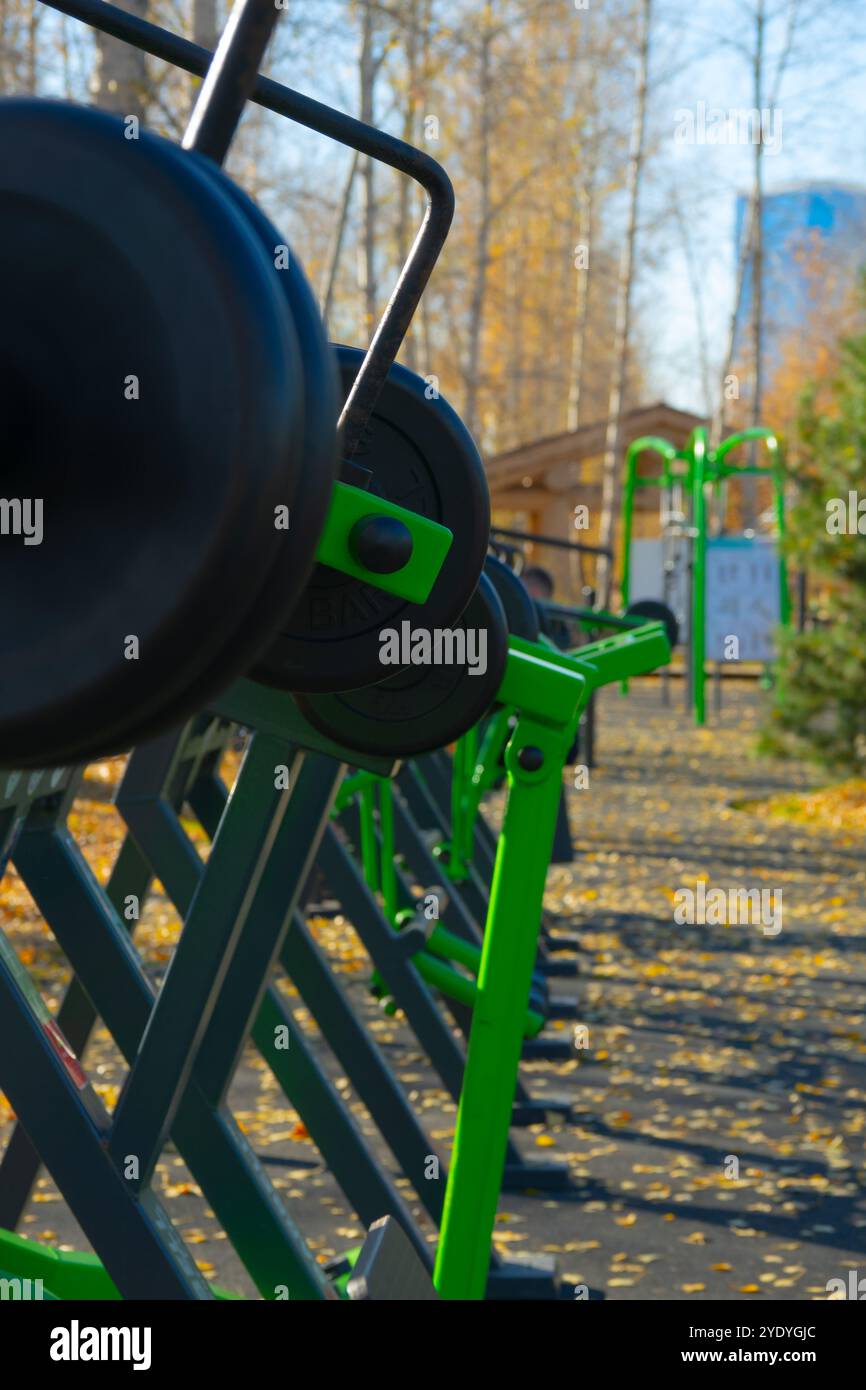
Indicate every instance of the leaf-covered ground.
{"type": "Point", "coordinates": [716, 1145]}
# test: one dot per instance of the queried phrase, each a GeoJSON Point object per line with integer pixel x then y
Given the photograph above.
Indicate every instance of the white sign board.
{"type": "Point", "coordinates": [742, 598]}
{"type": "Point", "coordinates": [647, 578]}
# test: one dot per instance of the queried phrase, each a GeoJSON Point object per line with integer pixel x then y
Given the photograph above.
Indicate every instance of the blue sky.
{"type": "Point", "coordinates": [822, 116]}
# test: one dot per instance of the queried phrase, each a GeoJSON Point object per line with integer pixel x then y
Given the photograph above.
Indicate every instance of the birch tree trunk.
{"type": "Point", "coordinates": [420, 330]}
{"type": "Point", "coordinates": [749, 484]}
{"type": "Point", "coordinates": [482, 243]}
{"type": "Point", "coordinates": [586, 78]}
{"type": "Point", "coordinates": [743, 259]}
{"type": "Point", "coordinates": [339, 238]}
{"type": "Point", "coordinates": [581, 318]}
{"type": "Point", "coordinates": [33, 44]}
{"type": "Point", "coordinates": [405, 195]}
{"type": "Point", "coordinates": [611, 483]}
{"type": "Point", "coordinates": [205, 32]}
{"type": "Point", "coordinates": [367, 74]}
{"type": "Point", "coordinates": [119, 79]}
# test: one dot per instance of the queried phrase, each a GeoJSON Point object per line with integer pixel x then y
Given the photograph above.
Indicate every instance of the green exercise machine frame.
{"type": "Point", "coordinates": [546, 692]}
{"type": "Point", "coordinates": [698, 468]}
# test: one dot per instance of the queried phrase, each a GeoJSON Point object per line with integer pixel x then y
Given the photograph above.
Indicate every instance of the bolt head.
{"type": "Point", "coordinates": [382, 544]}
{"type": "Point", "coordinates": [530, 758]}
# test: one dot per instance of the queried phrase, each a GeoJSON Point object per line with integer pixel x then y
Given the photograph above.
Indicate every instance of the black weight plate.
{"type": "Point", "coordinates": [120, 258]}
{"type": "Point", "coordinates": [521, 613]}
{"type": "Point", "coordinates": [310, 490]}
{"type": "Point", "coordinates": [655, 611]}
{"type": "Point", "coordinates": [423, 458]}
{"type": "Point", "coordinates": [421, 708]}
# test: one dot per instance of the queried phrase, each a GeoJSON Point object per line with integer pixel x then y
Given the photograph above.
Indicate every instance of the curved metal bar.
{"type": "Point", "coordinates": [644, 444]}
{"type": "Point", "coordinates": [755, 432]}
{"type": "Point", "coordinates": [697, 445]}
{"type": "Point", "coordinates": [379, 145]}
{"type": "Point", "coordinates": [723, 471]}
{"type": "Point", "coordinates": [578, 546]}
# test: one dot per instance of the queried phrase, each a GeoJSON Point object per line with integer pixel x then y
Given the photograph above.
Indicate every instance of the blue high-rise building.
{"type": "Point", "coordinates": [799, 223]}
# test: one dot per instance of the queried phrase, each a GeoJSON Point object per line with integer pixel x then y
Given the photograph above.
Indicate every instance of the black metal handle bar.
{"type": "Point", "coordinates": [378, 144]}
{"type": "Point", "coordinates": [621, 622]}
{"type": "Point", "coordinates": [578, 546]}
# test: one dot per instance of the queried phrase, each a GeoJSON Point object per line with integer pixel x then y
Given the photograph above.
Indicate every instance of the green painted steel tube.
{"type": "Point", "coordinates": [65, 1274]}
{"type": "Point", "coordinates": [554, 696]}
{"type": "Point", "coordinates": [479, 772]}
{"type": "Point", "coordinates": [369, 847]}
{"type": "Point", "coordinates": [647, 443]}
{"type": "Point", "coordinates": [467, 810]}
{"type": "Point", "coordinates": [456, 863]}
{"type": "Point", "coordinates": [774, 470]}
{"type": "Point", "coordinates": [444, 943]}
{"type": "Point", "coordinates": [463, 991]}
{"type": "Point", "coordinates": [386, 830]}
{"type": "Point", "coordinates": [698, 446]}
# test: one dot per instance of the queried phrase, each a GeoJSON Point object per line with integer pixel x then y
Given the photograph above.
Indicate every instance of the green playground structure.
{"type": "Point", "coordinates": [686, 480]}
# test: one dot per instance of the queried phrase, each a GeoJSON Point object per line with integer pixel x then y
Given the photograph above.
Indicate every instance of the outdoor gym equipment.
{"type": "Point", "coordinates": [222, 554]}
{"type": "Point", "coordinates": [711, 468]}
{"type": "Point", "coordinates": [242, 906]}
{"type": "Point", "coordinates": [547, 709]}
{"type": "Point", "coordinates": [544, 709]}
{"type": "Point", "coordinates": [157, 778]}
{"type": "Point", "coordinates": [425, 706]}
{"type": "Point", "coordinates": [182, 1042]}
{"type": "Point", "coordinates": [685, 478]}
{"type": "Point", "coordinates": [674, 483]}
{"type": "Point", "coordinates": [479, 755]}
{"type": "Point", "coordinates": [421, 456]}
{"type": "Point", "coordinates": [264, 844]}
{"type": "Point", "coordinates": [521, 613]}
{"type": "Point", "coordinates": [506, 543]}
{"type": "Point", "coordinates": [246, 446]}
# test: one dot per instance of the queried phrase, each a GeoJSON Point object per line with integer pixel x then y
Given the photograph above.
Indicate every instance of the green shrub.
{"type": "Point", "coordinates": [819, 707]}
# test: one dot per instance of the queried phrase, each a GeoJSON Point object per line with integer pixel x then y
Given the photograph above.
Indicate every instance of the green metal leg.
{"type": "Point", "coordinates": [507, 963]}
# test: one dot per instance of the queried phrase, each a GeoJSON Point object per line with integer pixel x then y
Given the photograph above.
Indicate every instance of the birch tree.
{"type": "Point", "coordinates": [119, 82]}
{"type": "Point", "coordinates": [611, 483]}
